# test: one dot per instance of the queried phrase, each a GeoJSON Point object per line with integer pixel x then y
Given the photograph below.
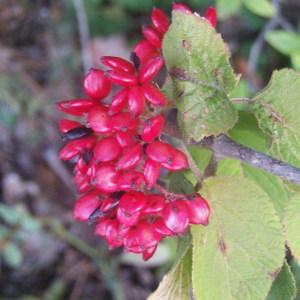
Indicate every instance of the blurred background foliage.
{"type": "Point", "coordinates": [43, 253]}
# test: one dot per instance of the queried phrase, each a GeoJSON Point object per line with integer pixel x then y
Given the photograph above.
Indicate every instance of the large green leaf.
{"type": "Point", "coordinates": [284, 286]}
{"type": "Point", "coordinates": [198, 62]}
{"type": "Point", "coordinates": [241, 251]}
{"type": "Point", "coordinates": [275, 188]}
{"type": "Point", "coordinates": [284, 41]}
{"type": "Point", "coordinates": [176, 284]}
{"type": "Point", "coordinates": [296, 272]}
{"type": "Point", "coordinates": [292, 225]}
{"type": "Point", "coordinates": [277, 110]}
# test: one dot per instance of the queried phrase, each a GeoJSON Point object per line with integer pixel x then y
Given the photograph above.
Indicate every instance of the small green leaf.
{"type": "Point", "coordinates": [177, 283]}
{"type": "Point", "coordinates": [284, 41]}
{"type": "Point", "coordinates": [277, 110]}
{"type": "Point", "coordinates": [296, 272]}
{"type": "Point", "coordinates": [12, 255]}
{"type": "Point", "coordinates": [292, 225]}
{"type": "Point", "coordinates": [261, 8]}
{"type": "Point", "coordinates": [232, 256]}
{"type": "Point", "coordinates": [227, 8]}
{"type": "Point", "coordinates": [284, 286]}
{"type": "Point", "coordinates": [247, 132]}
{"type": "Point", "coordinates": [198, 62]}
{"type": "Point", "coordinates": [9, 214]}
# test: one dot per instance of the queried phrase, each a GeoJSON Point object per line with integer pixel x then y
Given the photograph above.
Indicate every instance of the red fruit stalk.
{"type": "Point", "coordinates": [118, 151]}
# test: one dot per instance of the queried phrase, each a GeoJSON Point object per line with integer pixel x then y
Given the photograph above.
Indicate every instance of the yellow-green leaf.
{"type": "Point", "coordinates": [261, 8]}
{"type": "Point", "coordinates": [277, 110]}
{"type": "Point", "coordinates": [238, 255]}
{"type": "Point", "coordinates": [292, 225]}
{"type": "Point", "coordinates": [198, 63]}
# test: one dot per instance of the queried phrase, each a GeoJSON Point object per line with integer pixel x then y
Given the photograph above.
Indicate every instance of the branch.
{"type": "Point", "coordinates": [223, 146]}
{"type": "Point", "coordinates": [84, 34]}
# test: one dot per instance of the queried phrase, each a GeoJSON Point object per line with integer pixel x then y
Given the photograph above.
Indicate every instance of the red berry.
{"type": "Point", "coordinates": [211, 16]}
{"type": "Point", "coordinates": [148, 253]}
{"type": "Point", "coordinates": [154, 95]}
{"type": "Point", "coordinates": [177, 161]}
{"type": "Point", "coordinates": [117, 64]}
{"type": "Point", "coordinates": [159, 151]}
{"type": "Point", "coordinates": [159, 20]}
{"type": "Point", "coordinates": [128, 219]}
{"type": "Point", "coordinates": [76, 147]}
{"type": "Point", "coordinates": [176, 216]}
{"type": "Point", "coordinates": [101, 227]}
{"type": "Point", "coordinates": [199, 210]}
{"type": "Point", "coordinates": [99, 120]}
{"type": "Point", "coordinates": [160, 226]}
{"type": "Point", "coordinates": [130, 157]}
{"type": "Point", "coordinates": [112, 234]}
{"type": "Point", "coordinates": [127, 138]}
{"type": "Point", "coordinates": [119, 102]}
{"type": "Point", "coordinates": [155, 204]}
{"type": "Point", "coordinates": [122, 78]}
{"type": "Point", "coordinates": [146, 235]}
{"type": "Point", "coordinates": [145, 51]}
{"type": "Point", "coordinates": [76, 107]}
{"type": "Point", "coordinates": [151, 172]}
{"type": "Point", "coordinates": [66, 125]}
{"type": "Point", "coordinates": [133, 202]}
{"type": "Point", "coordinates": [96, 84]}
{"type": "Point", "coordinates": [85, 206]}
{"type": "Point", "coordinates": [181, 7]}
{"type": "Point", "coordinates": [123, 122]}
{"type": "Point", "coordinates": [152, 36]}
{"type": "Point", "coordinates": [107, 149]}
{"type": "Point", "coordinates": [131, 180]}
{"type": "Point", "coordinates": [136, 101]}
{"type": "Point", "coordinates": [106, 178]}
{"type": "Point", "coordinates": [152, 128]}
{"type": "Point", "coordinates": [150, 69]}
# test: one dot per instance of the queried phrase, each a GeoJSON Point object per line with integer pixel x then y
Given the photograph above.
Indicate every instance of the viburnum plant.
{"type": "Point", "coordinates": [138, 187]}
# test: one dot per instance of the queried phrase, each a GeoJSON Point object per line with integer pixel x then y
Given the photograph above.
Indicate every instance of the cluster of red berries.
{"type": "Point", "coordinates": [118, 153]}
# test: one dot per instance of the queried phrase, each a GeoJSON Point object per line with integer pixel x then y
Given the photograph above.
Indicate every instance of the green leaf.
{"type": "Point", "coordinates": [295, 57]}
{"type": "Point", "coordinates": [198, 62]}
{"type": "Point", "coordinates": [284, 41]}
{"type": "Point", "coordinates": [9, 214]}
{"type": "Point", "coordinates": [227, 8]}
{"type": "Point", "coordinates": [292, 225]}
{"type": "Point", "coordinates": [277, 110]}
{"type": "Point", "coordinates": [247, 132]}
{"type": "Point", "coordinates": [12, 255]}
{"type": "Point", "coordinates": [232, 256]}
{"type": "Point", "coordinates": [284, 286]}
{"type": "Point", "coordinates": [296, 272]}
{"type": "Point", "coordinates": [261, 8]}
{"type": "Point", "coordinates": [177, 283]}
{"type": "Point", "coordinates": [272, 185]}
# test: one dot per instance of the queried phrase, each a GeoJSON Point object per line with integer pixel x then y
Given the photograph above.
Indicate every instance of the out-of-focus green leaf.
{"type": "Point", "coordinates": [261, 8]}
{"type": "Point", "coordinates": [198, 62]}
{"type": "Point", "coordinates": [277, 110]}
{"type": "Point", "coordinates": [56, 290]}
{"type": "Point", "coordinates": [284, 286]}
{"type": "Point", "coordinates": [12, 255]}
{"type": "Point", "coordinates": [227, 8]}
{"type": "Point", "coordinates": [295, 57]}
{"type": "Point", "coordinates": [284, 41]}
{"type": "Point", "coordinates": [232, 257]}
{"type": "Point", "coordinates": [9, 214]}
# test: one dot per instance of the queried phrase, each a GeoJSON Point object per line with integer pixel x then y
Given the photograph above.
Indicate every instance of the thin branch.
{"type": "Point", "coordinates": [83, 34]}
{"type": "Point", "coordinates": [223, 146]}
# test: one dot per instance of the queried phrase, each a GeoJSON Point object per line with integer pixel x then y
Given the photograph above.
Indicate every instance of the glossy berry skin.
{"type": "Point", "coordinates": [118, 150]}
{"type": "Point", "coordinates": [211, 16]}
{"type": "Point", "coordinates": [96, 85]}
